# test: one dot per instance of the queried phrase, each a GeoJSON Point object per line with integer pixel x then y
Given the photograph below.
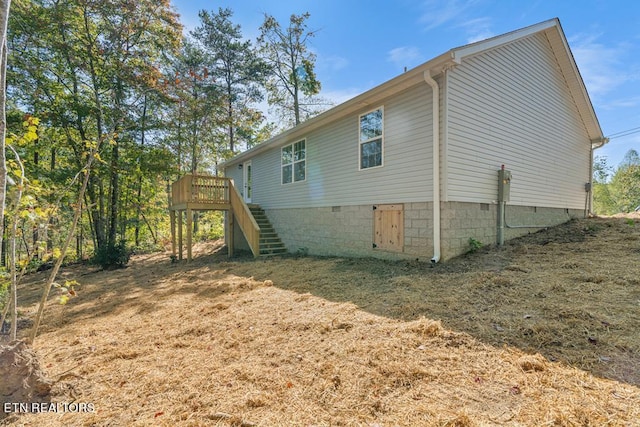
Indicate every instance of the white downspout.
{"type": "Point", "coordinates": [435, 111]}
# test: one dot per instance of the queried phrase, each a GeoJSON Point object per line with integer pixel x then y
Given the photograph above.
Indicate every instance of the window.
{"type": "Point", "coordinates": [371, 139]}
{"type": "Point", "coordinates": [294, 164]}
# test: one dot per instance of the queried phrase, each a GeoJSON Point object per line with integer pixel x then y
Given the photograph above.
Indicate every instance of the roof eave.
{"type": "Point", "coordinates": [481, 46]}
{"type": "Point", "coordinates": [575, 82]}
{"type": "Point", "coordinates": [554, 32]}
{"type": "Point", "coordinates": [370, 98]}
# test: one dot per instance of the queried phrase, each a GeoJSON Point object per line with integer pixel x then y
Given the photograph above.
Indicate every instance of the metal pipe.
{"type": "Point", "coordinates": [501, 222]}
{"type": "Point", "coordinates": [526, 226]}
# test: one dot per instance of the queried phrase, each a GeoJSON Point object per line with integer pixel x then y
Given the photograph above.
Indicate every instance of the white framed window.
{"type": "Point", "coordinates": [294, 162]}
{"type": "Point", "coordinates": [371, 139]}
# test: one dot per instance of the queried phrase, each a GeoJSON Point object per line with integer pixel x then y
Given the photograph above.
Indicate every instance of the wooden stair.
{"type": "Point", "coordinates": [270, 243]}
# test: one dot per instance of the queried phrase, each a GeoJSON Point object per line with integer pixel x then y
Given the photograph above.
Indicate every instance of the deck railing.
{"type": "Point", "coordinates": [202, 192]}
{"type": "Point", "coordinates": [200, 189]}
{"type": "Point", "coordinates": [245, 219]}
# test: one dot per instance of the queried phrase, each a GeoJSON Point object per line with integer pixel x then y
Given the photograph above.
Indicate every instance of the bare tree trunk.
{"type": "Point", "coordinates": [13, 261]}
{"type": "Point", "coordinates": [153, 234]}
{"type": "Point", "coordinates": [114, 196]}
{"type": "Point", "coordinates": [230, 118]}
{"type": "Point", "coordinates": [4, 22]}
{"type": "Point", "coordinates": [143, 122]}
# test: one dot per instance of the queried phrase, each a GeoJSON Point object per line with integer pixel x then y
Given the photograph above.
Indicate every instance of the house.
{"type": "Point", "coordinates": [486, 142]}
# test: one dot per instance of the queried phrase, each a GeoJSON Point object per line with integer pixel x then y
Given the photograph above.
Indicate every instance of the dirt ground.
{"type": "Point", "coordinates": [544, 331]}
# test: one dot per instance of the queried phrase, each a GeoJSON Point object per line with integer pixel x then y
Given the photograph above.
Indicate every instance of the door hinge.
{"type": "Point", "coordinates": [375, 207]}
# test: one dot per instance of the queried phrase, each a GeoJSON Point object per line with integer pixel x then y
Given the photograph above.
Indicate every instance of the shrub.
{"type": "Point", "coordinates": [474, 245]}
{"type": "Point", "coordinates": [112, 256]}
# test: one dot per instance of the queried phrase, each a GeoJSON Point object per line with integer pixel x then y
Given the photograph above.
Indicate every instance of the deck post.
{"type": "Point", "coordinates": [180, 235]}
{"type": "Point", "coordinates": [229, 232]}
{"type": "Point", "coordinates": [172, 216]}
{"type": "Point", "coordinates": [195, 193]}
{"type": "Point", "coordinates": [189, 232]}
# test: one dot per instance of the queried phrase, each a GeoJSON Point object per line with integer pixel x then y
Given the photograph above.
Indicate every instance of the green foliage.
{"type": "Point", "coordinates": [292, 66]}
{"type": "Point", "coordinates": [474, 245]}
{"type": "Point", "coordinates": [236, 67]}
{"type": "Point", "coordinates": [116, 256]}
{"type": "Point", "coordinates": [192, 131]}
{"type": "Point", "coordinates": [4, 288]}
{"type": "Point", "coordinates": [603, 202]}
{"type": "Point", "coordinates": [210, 226]}
{"type": "Point", "coordinates": [153, 103]}
{"type": "Point", "coordinates": [626, 183]}
{"type": "Point", "coordinates": [617, 190]}
{"type": "Point", "coordinates": [93, 72]}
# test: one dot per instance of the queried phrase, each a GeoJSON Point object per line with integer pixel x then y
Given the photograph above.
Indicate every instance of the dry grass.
{"type": "Point", "coordinates": [542, 332]}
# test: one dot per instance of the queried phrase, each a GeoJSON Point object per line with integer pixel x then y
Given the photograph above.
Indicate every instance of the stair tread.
{"type": "Point", "coordinates": [270, 242]}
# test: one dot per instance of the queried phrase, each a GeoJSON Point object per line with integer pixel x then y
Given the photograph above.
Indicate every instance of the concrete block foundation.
{"type": "Point", "coordinates": [348, 230]}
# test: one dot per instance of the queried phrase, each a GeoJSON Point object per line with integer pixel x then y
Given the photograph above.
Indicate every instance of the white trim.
{"type": "Point", "coordinates": [246, 186]}
{"type": "Point", "coordinates": [460, 53]}
{"type": "Point", "coordinates": [444, 147]}
{"type": "Point", "coordinates": [381, 137]}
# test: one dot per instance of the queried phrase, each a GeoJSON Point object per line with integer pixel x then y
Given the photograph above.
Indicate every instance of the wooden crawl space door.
{"type": "Point", "coordinates": [388, 227]}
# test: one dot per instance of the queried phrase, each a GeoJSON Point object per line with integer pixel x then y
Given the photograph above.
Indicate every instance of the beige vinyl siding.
{"type": "Point", "coordinates": [511, 106]}
{"type": "Point", "coordinates": [333, 175]}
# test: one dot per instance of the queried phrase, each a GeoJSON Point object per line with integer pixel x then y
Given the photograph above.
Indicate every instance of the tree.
{"type": "Point", "coordinates": [625, 183]}
{"type": "Point", "coordinates": [617, 190]}
{"type": "Point", "coordinates": [132, 37]}
{"type": "Point", "coordinates": [54, 272]}
{"type": "Point", "coordinates": [196, 111]}
{"type": "Point", "coordinates": [603, 202]}
{"type": "Point", "coordinates": [235, 66]}
{"type": "Point", "coordinates": [4, 23]}
{"type": "Point", "coordinates": [292, 76]}
{"type": "Point", "coordinates": [88, 69]}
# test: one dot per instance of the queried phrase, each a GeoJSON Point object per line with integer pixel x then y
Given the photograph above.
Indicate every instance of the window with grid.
{"type": "Point", "coordinates": [371, 139]}
{"type": "Point", "coordinates": [294, 162]}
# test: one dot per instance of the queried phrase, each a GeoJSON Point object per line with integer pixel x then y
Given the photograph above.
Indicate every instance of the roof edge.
{"type": "Point", "coordinates": [459, 53]}
{"type": "Point", "coordinates": [414, 76]}
{"type": "Point", "coordinates": [359, 102]}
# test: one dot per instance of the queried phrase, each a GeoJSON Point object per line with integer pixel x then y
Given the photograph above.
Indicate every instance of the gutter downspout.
{"type": "Point", "coordinates": [435, 112]}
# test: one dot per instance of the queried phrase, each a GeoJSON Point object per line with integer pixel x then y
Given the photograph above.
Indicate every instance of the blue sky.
{"type": "Point", "coordinates": [360, 44]}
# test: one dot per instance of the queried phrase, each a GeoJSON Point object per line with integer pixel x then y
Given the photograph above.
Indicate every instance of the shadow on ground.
{"type": "Point", "coordinates": [570, 293]}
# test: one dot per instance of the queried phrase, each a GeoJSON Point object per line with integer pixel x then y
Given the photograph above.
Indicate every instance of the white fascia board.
{"type": "Point", "coordinates": [576, 83]}
{"type": "Point", "coordinates": [458, 54]}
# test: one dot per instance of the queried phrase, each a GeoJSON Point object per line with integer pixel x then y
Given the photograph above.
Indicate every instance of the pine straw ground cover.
{"type": "Point", "coordinates": [543, 332]}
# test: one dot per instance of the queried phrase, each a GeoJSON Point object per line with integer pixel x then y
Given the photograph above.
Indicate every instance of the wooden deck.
{"type": "Point", "coordinates": [204, 192]}
{"type": "Point", "coordinates": [201, 192]}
